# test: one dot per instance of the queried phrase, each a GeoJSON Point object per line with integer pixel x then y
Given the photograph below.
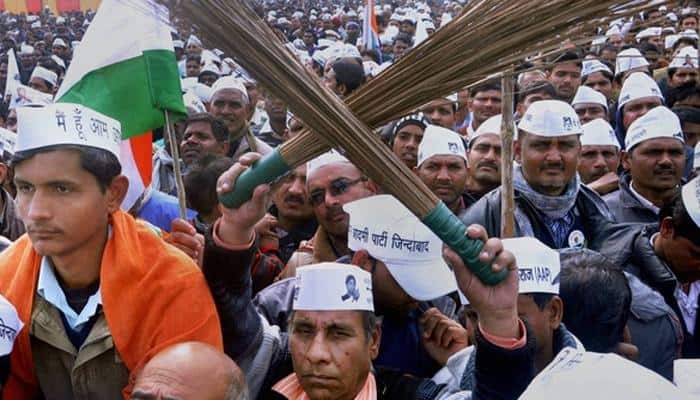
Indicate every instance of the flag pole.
{"type": "Point", "coordinates": [175, 154]}
{"type": "Point", "coordinates": [507, 133]}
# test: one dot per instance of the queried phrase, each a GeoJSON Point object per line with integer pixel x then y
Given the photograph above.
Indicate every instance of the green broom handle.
{"type": "Point", "coordinates": [452, 231]}
{"type": "Point", "coordinates": [265, 170]}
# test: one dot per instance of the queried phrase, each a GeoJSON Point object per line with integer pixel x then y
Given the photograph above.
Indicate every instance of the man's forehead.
{"type": "Point", "coordinates": [488, 93]}
{"type": "Point", "coordinates": [660, 143]}
{"type": "Point", "coordinates": [227, 95]}
{"type": "Point", "coordinates": [331, 172]}
{"type": "Point", "coordinates": [198, 126]}
{"type": "Point", "coordinates": [444, 159]}
{"type": "Point", "coordinates": [653, 100]}
{"type": "Point", "coordinates": [491, 139]}
{"type": "Point", "coordinates": [598, 148]}
{"type": "Point", "coordinates": [566, 66]}
{"type": "Point", "coordinates": [584, 106]}
{"type": "Point", "coordinates": [531, 137]}
{"type": "Point", "coordinates": [328, 318]}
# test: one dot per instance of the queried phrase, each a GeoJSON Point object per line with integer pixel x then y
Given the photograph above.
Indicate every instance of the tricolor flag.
{"type": "Point", "coordinates": [125, 68]}
{"type": "Point", "coordinates": [370, 32]}
{"type": "Point", "coordinates": [56, 6]}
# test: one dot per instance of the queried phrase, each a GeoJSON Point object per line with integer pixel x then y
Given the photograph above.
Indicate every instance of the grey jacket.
{"type": "Point", "coordinates": [594, 213]}
{"type": "Point", "coordinates": [626, 207]}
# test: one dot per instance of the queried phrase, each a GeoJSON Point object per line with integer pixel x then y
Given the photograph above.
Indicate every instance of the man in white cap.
{"type": "Point", "coordinates": [43, 80]}
{"type": "Point", "coordinates": [60, 48]}
{"type": "Point", "coordinates": [598, 76]}
{"type": "Point", "coordinates": [193, 46]}
{"type": "Point", "coordinates": [655, 161]}
{"type": "Point", "coordinates": [565, 75]}
{"type": "Point", "coordinates": [441, 112]}
{"type": "Point", "coordinates": [639, 94]}
{"type": "Point", "coordinates": [442, 166]}
{"type": "Point", "coordinates": [484, 159]}
{"type": "Point", "coordinates": [331, 182]}
{"type": "Point", "coordinates": [331, 300]}
{"type": "Point", "coordinates": [600, 157]}
{"type": "Point", "coordinates": [229, 101]}
{"type": "Point", "coordinates": [539, 303]}
{"type": "Point", "coordinates": [651, 35]}
{"type": "Point", "coordinates": [84, 263]}
{"type": "Point", "coordinates": [551, 204]}
{"type": "Point", "coordinates": [683, 67]}
{"type": "Point", "coordinates": [590, 104]}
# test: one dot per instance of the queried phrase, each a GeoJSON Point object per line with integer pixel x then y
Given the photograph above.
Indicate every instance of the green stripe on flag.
{"type": "Point", "coordinates": [119, 91]}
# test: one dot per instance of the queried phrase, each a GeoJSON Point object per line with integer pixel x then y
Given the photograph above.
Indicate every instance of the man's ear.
{"type": "Point", "coordinates": [556, 312]}
{"type": "Point", "coordinates": [115, 192]}
{"type": "Point", "coordinates": [342, 89]}
{"type": "Point", "coordinates": [517, 150]}
{"type": "Point", "coordinates": [625, 160]}
{"type": "Point", "coordinates": [374, 341]}
{"type": "Point", "coordinates": [362, 260]}
{"type": "Point", "coordinates": [4, 172]}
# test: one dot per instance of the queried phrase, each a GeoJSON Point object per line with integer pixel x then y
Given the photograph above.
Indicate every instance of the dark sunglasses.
{"type": "Point", "coordinates": [336, 188]}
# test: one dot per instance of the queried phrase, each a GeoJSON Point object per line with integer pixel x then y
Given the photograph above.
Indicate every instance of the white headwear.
{"type": "Point", "coordinates": [593, 66]}
{"type": "Point", "coordinates": [36, 25]}
{"type": "Point", "coordinates": [689, 33]}
{"type": "Point", "coordinates": [74, 44]}
{"type": "Point", "coordinates": [696, 156]}
{"type": "Point", "coordinates": [629, 59]}
{"type": "Point", "coordinates": [584, 94]}
{"type": "Point", "coordinates": [329, 157]}
{"type": "Point", "coordinates": [687, 57]}
{"type": "Point", "coordinates": [614, 30]}
{"type": "Point", "coordinates": [670, 40]}
{"type": "Point", "coordinates": [659, 122]}
{"type": "Point", "coordinates": [638, 85]}
{"type": "Point", "coordinates": [333, 287]}
{"type": "Point", "coordinates": [58, 60]}
{"type": "Point", "coordinates": [396, 237]}
{"type": "Point", "coordinates": [60, 20]}
{"type": "Point", "coordinates": [202, 91]}
{"type": "Point", "coordinates": [439, 141]}
{"type": "Point", "coordinates": [26, 49]}
{"type": "Point", "coordinates": [8, 141]}
{"type": "Point", "coordinates": [648, 32]}
{"type": "Point", "coordinates": [491, 126]}
{"type": "Point", "coordinates": [12, 324]}
{"type": "Point", "coordinates": [210, 68]}
{"type": "Point", "coordinates": [538, 265]}
{"type": "Point", "coordinates": [45, 74]}
{"type": "Point", "coordinates": [672, 17]}
{"type": "Point", "coordinates": [60, 42]}
{"type": "Point", "coordinates": [193, 104]}
{"type": "Point", "coordinates": [551, 118]}
{"type": "Point", "coordinates": [229, 82]}
{"type": "Point", "coordinates": [599, 133]}
{"type": "Point", "coordinates": [66, 123]}
{"type": "Point", "coordinates": [691, 199]}
{"type": "Point", "coordinates": [178, 44]}
{"type": "Point", "coordinates": [585, 375]}
{"type": "Point", "coordinates": [194, 40]}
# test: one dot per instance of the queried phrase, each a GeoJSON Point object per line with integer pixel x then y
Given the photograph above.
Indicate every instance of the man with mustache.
{"type": "Point", "coordinates": [230, 102]}
{"type": "Point", "coordinates": [204, 136]}
{"type": "Point", "coordinates": [600, 157]}
{"type": "Point", "coordinates": [551, 204]}
{"type": "Point", "coordinates": [654, 164]}
{"type": "Point", "coordinates": [442, 166]}
{"type": "Point", "coordinates": [331, 181]}
{"type": "Point", "coordinates": [484, 159]}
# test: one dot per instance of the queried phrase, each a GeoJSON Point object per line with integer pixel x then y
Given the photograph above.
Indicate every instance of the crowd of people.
{"type": "Point", "coordinates": [324, 286]}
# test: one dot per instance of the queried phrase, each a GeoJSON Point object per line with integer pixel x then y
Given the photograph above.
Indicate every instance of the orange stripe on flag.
{"type": "Point", "coordinates": [142, 149]}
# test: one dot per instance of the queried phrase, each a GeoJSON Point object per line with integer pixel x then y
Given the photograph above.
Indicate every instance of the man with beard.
{"type": "Point", "coordinates": [331, 181]}
{"type": "Point", "coordinates": [565, 75]}
{"type": "Point", "coordinates": [406, 136]}
{"type": "Point", "coordinates": [655, 161]}
{"type": "Point", "coordinates": [484, 159]}
{"type": "Point", "coordinates": [600, 157]}
{"type": "Point", "coordinates": [551, 204]}
{"type": "Point", "coordinates": [486, 102]}
{"type": "Point", "coordinates": [204, 136]}
{"type": "Point", "coordinates": [229, 101]}
{"type": "Point", "coordinates": [442, 166]}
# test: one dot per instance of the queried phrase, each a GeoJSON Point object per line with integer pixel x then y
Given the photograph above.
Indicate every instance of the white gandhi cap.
{"type": "Point", "coordinates": [229, 82]}
{"type": "Point", "coordinates": [659, 122]}
{"type": "Point", "coordinates": [551, 118]}
{"type": "Point", "coordinates": [593, 66]}
{"type": "Point", "coordinates": [637, 86]}
{"type": "Point", "coordinates": [586, 95]}
{"type": "Point", "coordinates": [45, 74]}
{"type": "Point", "coordinates": [329, 157]}
{"type": "Point", "coordinates": [629, 59]}
{"type": "Point", "coordinates": [333, 287]}
{"type": "Point", "coordinates": [691, 199]}
{"type": "Point", "coordinates": [599, 133]}
{"type": "Point", "coordinates": [439, 141]}
{"type": "Point", "coordinates": [687, 57]}
{"type": "Point", "coordinates": [538, 265]}
{"type": "Point", "coordinates": [66, 124]}
{"type": "Point", "coordinates": [396, 237]}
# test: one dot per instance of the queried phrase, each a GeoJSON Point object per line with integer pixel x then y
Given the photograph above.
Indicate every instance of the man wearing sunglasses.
{"type": "Point", "coordinates": [331, 182]}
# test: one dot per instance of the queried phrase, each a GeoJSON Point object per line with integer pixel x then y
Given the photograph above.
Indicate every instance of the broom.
{"type": "Point", "coordinates": [510, 26]}
{"type": "Point", "coordinates": [324, 112]}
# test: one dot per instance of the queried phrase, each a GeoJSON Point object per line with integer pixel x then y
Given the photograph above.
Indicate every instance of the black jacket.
{"type": "Point", "coordinates": [625, 206]}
